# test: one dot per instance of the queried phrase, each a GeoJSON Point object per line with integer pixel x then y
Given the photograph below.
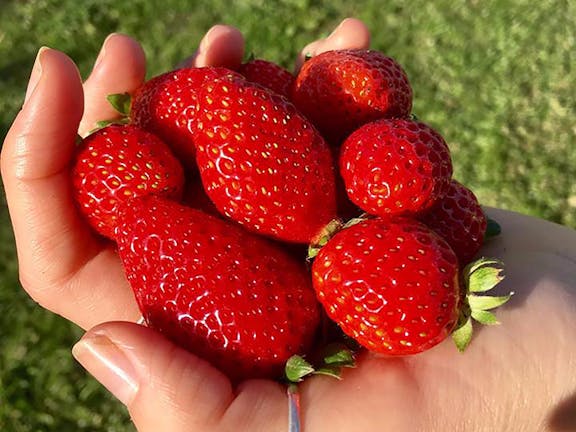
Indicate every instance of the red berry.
{"type": "Point", "coordinates": [270, 75]}
{"type": "Point", "coordinates": [116, 164]}
{"type": "Point", "coordinates": [226, 295]}
{"type": "Point", "coordinates": [460, 220]}
{"type": "Point", "coordinates": [342, 90]}
{"type": "Point", "coordinates": [392, 285]}
{"type": "Point", "coordinates": [261, 162]}
{"type": "Point", "coordinates": [395, 167]}
{"type": "Point", "coordinates": [165, 105]}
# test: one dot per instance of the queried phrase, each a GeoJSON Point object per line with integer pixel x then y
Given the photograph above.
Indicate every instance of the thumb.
{"type": "Point", "coordinates": [164, 387]}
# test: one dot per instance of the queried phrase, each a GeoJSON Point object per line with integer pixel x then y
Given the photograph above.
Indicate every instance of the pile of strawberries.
{"type": "Point", "coordinates": [216, 182]}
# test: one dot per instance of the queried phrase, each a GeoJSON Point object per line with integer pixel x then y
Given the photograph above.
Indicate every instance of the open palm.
{"type": "Point", "coordinates": [513, 377]}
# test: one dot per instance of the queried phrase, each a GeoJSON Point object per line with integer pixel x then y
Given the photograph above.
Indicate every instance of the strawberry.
{"type": "Point", "coordinates": [459, 219]}
{"type": "Point", "coordinates": [165, 105]}
{"type": "Point", "coordinates": [268, 74]}
{"type": "Point", "coordinates": [395, 167]}
{"type": "Point", "coordinates": [231, 297]}
{"type": "Point", "coordinates": [117, 163]}
{"type": "Point", "coordinates": [261, 162]}
{"type": "Point", "coordinates": [391, 285]}
{"type": "Point", "coordinates": [342, 90]}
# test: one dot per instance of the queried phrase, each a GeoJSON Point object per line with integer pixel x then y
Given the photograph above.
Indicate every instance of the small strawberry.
{"type": "Point", "coordinates": [231, 297]}
{"type": "Point", "coordinates": [394, 285]}
{"type": "Point", "coordinates": [261, 162]}
{"type": "Point", "coordinates": [165, 105]}
{"type": "Point", "coordinates": [117, 163]}
{"type": "Point", "coordinates": [342, 90]}
{"type": "Point", "coordinates": [460, 220]}
{"type": "Point", "coordinates": [270, 75]}
{"type": "Point", "coordinates": [395, 167]}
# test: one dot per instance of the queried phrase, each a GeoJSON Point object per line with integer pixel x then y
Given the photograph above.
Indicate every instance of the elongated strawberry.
{"type": "Point", "coordinates": [116, 164]}
{"type": "Point", "coordinates": [261, 162]}
{"type": "Point", "coordinates": [342, 90]}
{"type": "Point", "coordinates": [395, 167]}
{"type": "Point", "coordinates": [165, 105]}
{"type": "Point", "coordinates": [395, 286]}
{"type": "Point", "coordinates": [227, 295]}
{"type": "Point", "coordinates": [270, 75]}
{"type": "Point", "coordinates": [459, 219]}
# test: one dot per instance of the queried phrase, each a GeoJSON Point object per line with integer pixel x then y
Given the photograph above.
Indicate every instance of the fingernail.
{"type": "Point", "coordinates": [35, 74]}
{"type": "Point", "coordinates": [108, 363]}
{"type": "Point", "coordinates": [102, 52]}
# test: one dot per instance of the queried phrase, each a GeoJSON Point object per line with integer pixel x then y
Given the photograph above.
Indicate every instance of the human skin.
{"type": "Point", "coordinates": [517, 376]}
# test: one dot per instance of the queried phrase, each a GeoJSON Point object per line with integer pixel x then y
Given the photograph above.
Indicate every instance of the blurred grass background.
{"type": "Point", "coordinates": [497, 78]}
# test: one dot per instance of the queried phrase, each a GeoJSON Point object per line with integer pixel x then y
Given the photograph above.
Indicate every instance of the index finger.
{"type": "Point", "coordinates": [53, 242]}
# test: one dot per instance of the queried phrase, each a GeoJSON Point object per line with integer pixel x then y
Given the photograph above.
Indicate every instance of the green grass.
{"type": "Point", "coordinates": [496, 78]}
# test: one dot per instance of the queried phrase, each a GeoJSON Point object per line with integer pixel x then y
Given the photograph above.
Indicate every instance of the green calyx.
{"type": "Point", "coordinates": [322, 238]}
{"type": "Point", "coordinates": [479, 277]}
{"type": "Point", "coordinates": [121, 102]}
{"type": "Point", "coordinates": [332, 360]}
{"type": "Point", "coordinates": [334, 226]}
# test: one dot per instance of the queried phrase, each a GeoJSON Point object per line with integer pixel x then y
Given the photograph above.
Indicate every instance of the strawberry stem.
{"type": "Point", "coordinates": [329, 230]}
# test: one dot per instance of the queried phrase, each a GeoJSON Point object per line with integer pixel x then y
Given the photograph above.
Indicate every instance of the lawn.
{"type": "Point", "coordinates": [495, 77]}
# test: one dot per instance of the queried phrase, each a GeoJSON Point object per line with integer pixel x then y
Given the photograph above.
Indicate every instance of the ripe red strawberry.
{"type": "Point", "coordinates": [344, 89]}
{"type": "Point", "coordinates": [395, 167]}
{"type": "Point", "coordinates": [459, 219]}
{"type": "Point", "coordinates": [227, 295]}
{"type": "Point", "coordinates": [392, 285]}
{"type": "Point", "coordinates": [116, 164]}
{"type": "Point", "coordinates": [165, 105]}
{"type": "Point", "coordinates": [270, 75]}
{"type": "Point", "coordinates": [261, 162]}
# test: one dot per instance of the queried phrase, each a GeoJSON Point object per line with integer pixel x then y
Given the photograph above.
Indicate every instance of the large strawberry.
{"type": "Point", "coordinates": [210, 286]}
{"type": "Point", "coordinates": [165, 105]}
{"type": "Point", "coordinates": [392, 286]}
{"type": "Point", "coordinates": [116, 164]}
{"type": "Point", "coordinates": [459, 219]}
{"type": "Point", "coordinates": [395, 167]}
{"type": "Point", "coordinates": [342, 90]}
{"type": "Point", "coordinates": [270, 75]}
{"type": "Point", "coordinates": [262, 163]}
{"type": "Point", "coordinates": [395, 286]}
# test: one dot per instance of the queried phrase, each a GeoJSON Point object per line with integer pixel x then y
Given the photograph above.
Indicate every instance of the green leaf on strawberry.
{"type": "Point", "coordinates": [331, 360]}
{"type": "Point", "coordinates": [479, 277]}
{"type": "Point", "coordinates": [297, 368]}
{"type": "Point", "coordinates": [121, 102]}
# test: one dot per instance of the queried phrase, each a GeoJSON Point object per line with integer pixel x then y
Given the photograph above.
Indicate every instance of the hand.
{"type": "Point", "coordinates": [517, 376]}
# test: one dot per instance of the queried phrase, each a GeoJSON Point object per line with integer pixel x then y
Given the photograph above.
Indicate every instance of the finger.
{"type": "Point", "coordinates": [221, 46]}
{"type": "Point", "coordinates": [169, 389]}
{"type": "Point", "coordinates": [59, 259]}
{"type": "Point", "coordinates": [351, 33]}
{"type": "Point", "coordinates": [119, 68]}
{"type": "Point", "coordinates": [164, 387]}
